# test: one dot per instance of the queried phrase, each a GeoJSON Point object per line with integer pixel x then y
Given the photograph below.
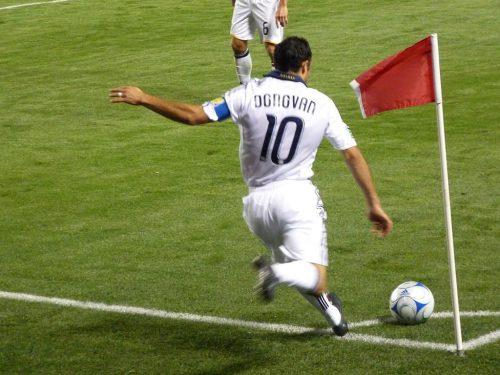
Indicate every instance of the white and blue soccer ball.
{"type": "Point", "coordinates": [412, 303]}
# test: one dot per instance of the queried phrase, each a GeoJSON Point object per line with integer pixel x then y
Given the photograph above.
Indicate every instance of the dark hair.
{"type": "Point", "coordinates": [291, 53]}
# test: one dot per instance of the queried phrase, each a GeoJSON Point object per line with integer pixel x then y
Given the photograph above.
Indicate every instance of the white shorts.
{"type": "Point", "coordinates": [250, 16]}
{"type": "Point", "coordinates": [289, 217]}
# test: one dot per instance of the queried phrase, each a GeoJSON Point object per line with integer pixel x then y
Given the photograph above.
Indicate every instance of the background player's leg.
{"type": "Point", "coordinates": [270, 51]}
{"type": "Point", "coordinates": [242, 59]}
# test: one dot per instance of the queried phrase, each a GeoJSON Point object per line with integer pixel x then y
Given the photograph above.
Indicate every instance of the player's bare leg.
{"type": "Point", "coordinates": [270, 51]}
{"type": "Point", "coordinates": [242, 59]}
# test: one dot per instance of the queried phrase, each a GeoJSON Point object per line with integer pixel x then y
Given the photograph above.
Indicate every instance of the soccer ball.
{"type": "Point", "coordinates": [412, 303]}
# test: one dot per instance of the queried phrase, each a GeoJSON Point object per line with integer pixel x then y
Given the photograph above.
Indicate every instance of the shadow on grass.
{"type": "Point", "coordinates": [181, 347]}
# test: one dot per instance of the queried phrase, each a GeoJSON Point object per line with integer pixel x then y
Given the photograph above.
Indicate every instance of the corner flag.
{"type": "Point", "coordinates": [409, 78]}
{"type": "Point", "coordinates": [402, 80]}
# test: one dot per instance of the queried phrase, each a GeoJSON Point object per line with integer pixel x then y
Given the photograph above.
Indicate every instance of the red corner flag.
{"type": "Point", "coordinates": [402, 80]}
{"type": "Point", "coordinates": [408, 78]}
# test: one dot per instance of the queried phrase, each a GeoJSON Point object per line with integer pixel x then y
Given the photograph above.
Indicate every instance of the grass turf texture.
{"type": "Point", "coordinates": [117, 205]}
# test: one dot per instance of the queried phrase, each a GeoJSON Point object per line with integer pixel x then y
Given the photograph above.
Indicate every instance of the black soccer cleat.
{"type": "Point", "coordinates": [266, 280]}
{"type": "Point", "coordinates": [341, 329]}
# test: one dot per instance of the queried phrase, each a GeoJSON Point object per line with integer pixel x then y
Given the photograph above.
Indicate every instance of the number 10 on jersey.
{"type": "Point", "coordinates": [288, 121]}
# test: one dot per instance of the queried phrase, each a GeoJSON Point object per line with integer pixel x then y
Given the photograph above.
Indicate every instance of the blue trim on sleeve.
{"type": "Point", "coordinates": [221, 109]}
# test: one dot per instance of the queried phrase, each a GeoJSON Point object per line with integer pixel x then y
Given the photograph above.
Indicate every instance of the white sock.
{"type": "Point", "coordinates": [298, 274]}
{"type": "Point", "coordinates": [324, 306]}
{"type": "Point", "coordinates": [243, 64]}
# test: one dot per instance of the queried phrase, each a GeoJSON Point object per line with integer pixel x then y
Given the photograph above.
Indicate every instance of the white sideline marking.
{"type": "Point", "coordinates": [155, 313]}
{"type": "Point", "coordinates": [482, 340]}
{"type": "Point", "coordinates": [31, 4]}
{"type": "Point", "coordinates": [405, 343]}
{"type": "Point", "coordinates": [281, 328]}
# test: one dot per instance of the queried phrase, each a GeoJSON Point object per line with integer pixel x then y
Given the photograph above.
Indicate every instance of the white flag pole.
{"type": "Point", "coordinates": [446, 192]}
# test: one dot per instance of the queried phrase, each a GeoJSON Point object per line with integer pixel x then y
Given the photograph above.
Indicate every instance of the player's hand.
{"type": "Point", "coordinates": [126, 94]}
{"type": "Point", "coordinates": [382, 223]}
{"type": "Point", "coordinates": [282, 16]}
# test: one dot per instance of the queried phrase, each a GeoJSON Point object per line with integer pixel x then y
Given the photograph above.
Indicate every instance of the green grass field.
{"type": "Point", "coordinates": [116, 205]}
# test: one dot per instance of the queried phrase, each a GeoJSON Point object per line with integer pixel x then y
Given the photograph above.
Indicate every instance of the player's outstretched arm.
{"type": "Point", "coordinates": [382, 223]}
{"type": "Point", "coordinates": [185, 113]}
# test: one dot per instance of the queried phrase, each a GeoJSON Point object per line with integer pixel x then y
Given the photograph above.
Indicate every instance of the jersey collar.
{"type": "Point", "coordinates": [285, 76]}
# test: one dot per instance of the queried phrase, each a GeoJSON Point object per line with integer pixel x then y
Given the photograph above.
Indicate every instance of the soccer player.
{"type": "Point", "coordinates": [282, 123]}
{"type": "Point", "coordinates": [268, 18]}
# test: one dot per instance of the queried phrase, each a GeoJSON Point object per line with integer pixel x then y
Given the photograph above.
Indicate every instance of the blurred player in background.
{"type": "Point", "coordinates": [282, 123]}
{"type": "Point", "coordinates": [268, 18]}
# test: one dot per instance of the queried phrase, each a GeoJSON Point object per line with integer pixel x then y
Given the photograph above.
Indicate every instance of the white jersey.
{"type": "Point", "coordinates": [282, 122]}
